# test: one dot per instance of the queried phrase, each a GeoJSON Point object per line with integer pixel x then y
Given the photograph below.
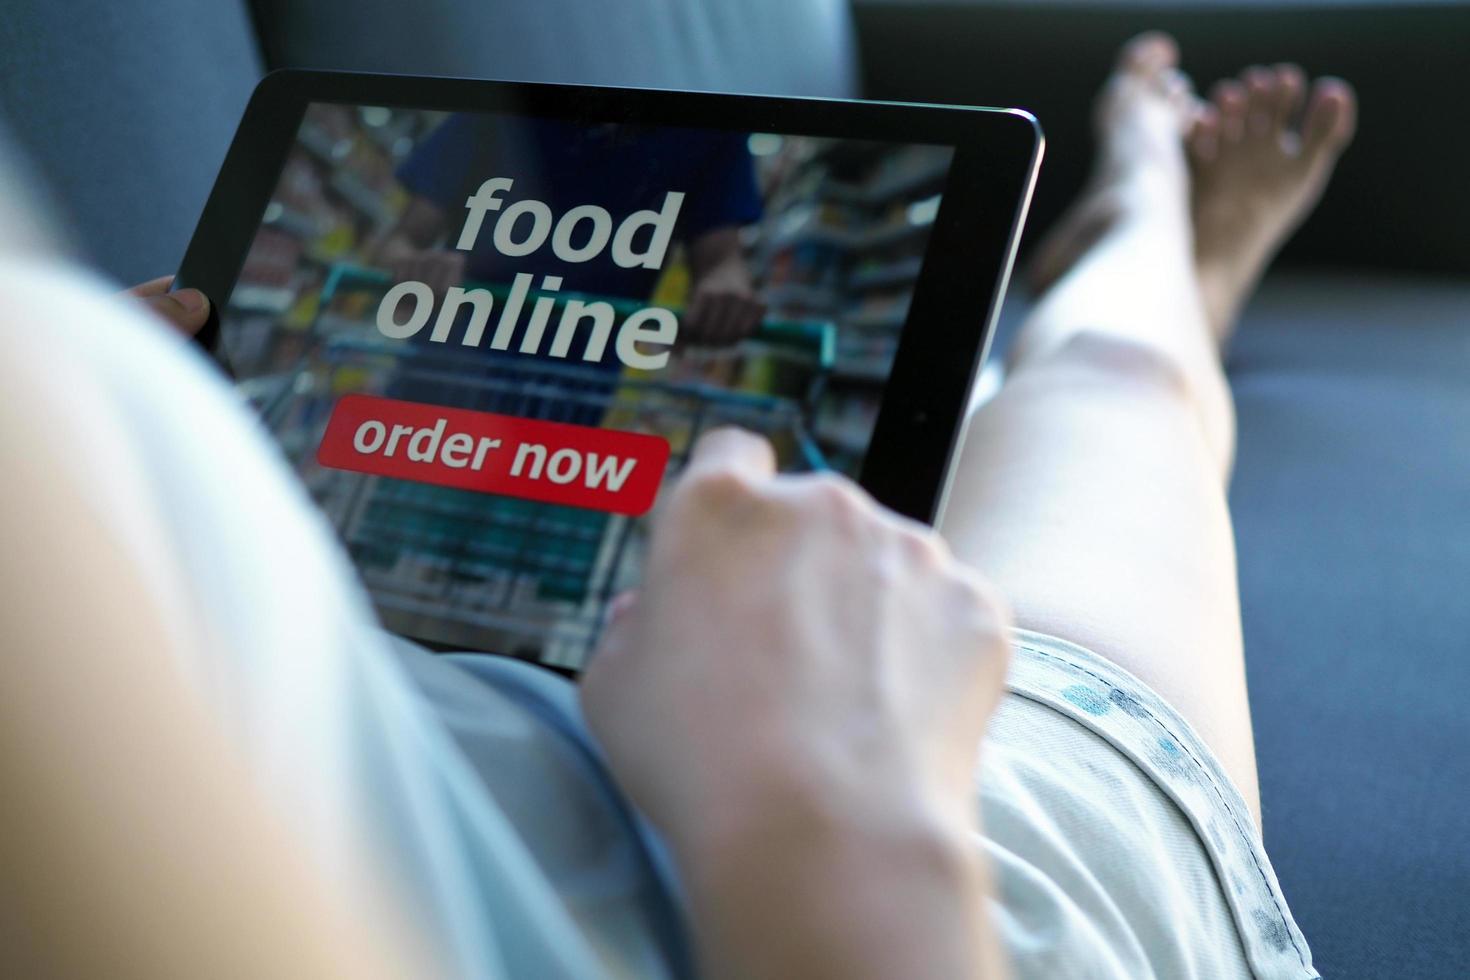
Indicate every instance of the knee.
{"type": "Point", "coordinates": [1135, 365]}
{"type": "Point", "coordinates": [1148, 373]}
{"type": "Point", "coordinates": [1123, 363]}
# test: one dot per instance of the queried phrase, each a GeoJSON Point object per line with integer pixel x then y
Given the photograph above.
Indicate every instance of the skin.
{"type": "Point", "coordinates": [184, 310]}
{"type": "Point", "coordinates": [1092, 487]}
{"type": "Point", "coordinates": [1260, 152]}
{"type": "Point", "coordinates": [872, 693]}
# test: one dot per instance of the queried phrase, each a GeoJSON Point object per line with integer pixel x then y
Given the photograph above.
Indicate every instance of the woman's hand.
{"type": "Point", "coordinates": [796, 698]}
{"type": "Point", "coordinates": [184, 310]}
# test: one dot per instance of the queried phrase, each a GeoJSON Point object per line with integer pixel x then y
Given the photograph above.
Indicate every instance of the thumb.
{"type": "Point", "coordinates": [184, 310]}
{"type": "Point", "coordinates": [730, 449]}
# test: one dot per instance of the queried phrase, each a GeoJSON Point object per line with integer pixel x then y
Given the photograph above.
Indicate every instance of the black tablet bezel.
{"type": "Point", "coordinates": [957, 296]}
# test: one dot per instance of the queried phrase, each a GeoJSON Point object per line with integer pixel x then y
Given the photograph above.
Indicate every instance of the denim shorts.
{"type": "Point", "coordinates": [1122, 847]}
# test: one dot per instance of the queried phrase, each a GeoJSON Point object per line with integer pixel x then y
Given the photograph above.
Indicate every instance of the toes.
{"type": "Point", "coordinates": [1331, 118]}
{"type": "Point", "coordinates": [1229, 97]}
{"type": "Point", "coordinates": [1204, 137]}
{"type": "Point", "coordinates": [1178, 90]}
{"type": "Point", "coordinates": [1149, 54]}
{"type": "Point", "coordinates": [1291, 85]}
{"type": "Point", "coordinates": [1260, 101]}
{"type": "Point", "coordinates": [1175, 85]}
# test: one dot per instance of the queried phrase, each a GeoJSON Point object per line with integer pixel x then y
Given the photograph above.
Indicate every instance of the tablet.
{"type": "Point", "coordinates": [485, 321]}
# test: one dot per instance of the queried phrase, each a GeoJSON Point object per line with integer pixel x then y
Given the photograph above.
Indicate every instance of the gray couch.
{"type": "Point", "coordinates": [1352, 495]}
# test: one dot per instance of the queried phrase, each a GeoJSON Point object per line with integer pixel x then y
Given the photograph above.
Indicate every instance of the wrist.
{"type": "Point", "coordinates": [812, 825]}
{"type": "Point", "coordinates": [819, 892]}
{"type": "Point", "coordinates": [776, 795]}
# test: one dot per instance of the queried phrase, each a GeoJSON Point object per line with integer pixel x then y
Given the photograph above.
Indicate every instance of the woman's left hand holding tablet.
{"type": "Point", "coordinates": [184, 310]}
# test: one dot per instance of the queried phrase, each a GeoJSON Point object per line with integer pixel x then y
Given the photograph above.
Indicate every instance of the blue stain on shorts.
{"type": "Point", "coordinates": [1171, 758]}
{"type": "Point", "coordinates": [1098, 703]}
{"type": "Point", "coordinates": [1087, 699]}
{"type": "Point", "coordinates": [1137, 722]}
{"type": "Point", "coordinates": [1128, 703]}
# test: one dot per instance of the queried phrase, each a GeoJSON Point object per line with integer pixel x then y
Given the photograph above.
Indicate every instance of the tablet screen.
{"type": "Point", "coordinates": [486, 341]}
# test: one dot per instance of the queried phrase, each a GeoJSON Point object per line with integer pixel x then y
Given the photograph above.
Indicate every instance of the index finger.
{"type": "Point", "coordinates": [734, 450]}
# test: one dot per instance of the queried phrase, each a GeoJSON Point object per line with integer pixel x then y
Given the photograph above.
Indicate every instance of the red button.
{"type": "Point", "coordinates": [579, 465]}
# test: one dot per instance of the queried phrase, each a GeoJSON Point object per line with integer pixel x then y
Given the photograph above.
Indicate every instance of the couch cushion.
{"type": "Point", "coordinates": [1352, 513]}
{"type": "Point", "coordinates": [788, 47]}
{"type": "Point", "coordinates": [126, 108]}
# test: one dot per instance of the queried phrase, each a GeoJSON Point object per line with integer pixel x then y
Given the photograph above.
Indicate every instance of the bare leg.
{"type": "Point", "coordinates": [1092, 487]}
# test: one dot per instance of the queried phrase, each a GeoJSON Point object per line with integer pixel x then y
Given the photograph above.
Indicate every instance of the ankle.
{"type": "Point", "coordinates": [1226, 281]}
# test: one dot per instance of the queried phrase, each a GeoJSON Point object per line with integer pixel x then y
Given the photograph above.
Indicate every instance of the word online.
{"type": "Point", "coordinates": [580, 235]}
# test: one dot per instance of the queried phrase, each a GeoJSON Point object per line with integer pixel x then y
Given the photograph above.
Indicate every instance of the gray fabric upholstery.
{"type": "Point", "coordinates": [1352, 513]}
{"type": "Point", "coordinates": [757, 46]}
{"type": "Point", "coordinates": [126, 109]}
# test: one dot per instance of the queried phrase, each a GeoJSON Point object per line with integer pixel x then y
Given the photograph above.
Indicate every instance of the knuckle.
{"type": "Point", "coordinates": [719, 487]}
{"type": "Point", "coordinates": [986, 611]}
{"type": "Point", "coordinates": [922, 546]}
{"type": "Point", "coordinates": [836, 495]}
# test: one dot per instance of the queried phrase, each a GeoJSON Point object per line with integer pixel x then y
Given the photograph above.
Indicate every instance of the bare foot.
{"type": "Point", "coordinates": [1258, 171]}
{"type": "Point", "coordinates": [1139, 120]}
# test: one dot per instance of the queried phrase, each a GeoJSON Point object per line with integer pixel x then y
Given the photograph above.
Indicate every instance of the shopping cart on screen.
{"type": "Point", "coordinates": [460, 569]}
